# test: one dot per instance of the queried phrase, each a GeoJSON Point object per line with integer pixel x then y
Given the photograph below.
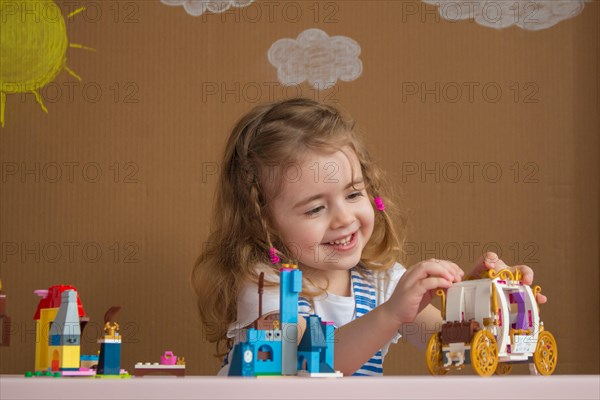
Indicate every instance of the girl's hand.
{"type": "Point", "coordinates": [491, 260]}
{"type": "Point", "coordinates": [417, 287]}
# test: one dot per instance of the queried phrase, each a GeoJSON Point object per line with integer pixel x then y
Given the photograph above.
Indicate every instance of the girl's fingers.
{"type": "Point", "coordinates": [490, 260]}
{"type": "Point", "coordinates": [434, 267]}
{"type": "Point", "coordinates": [458, 272]}
{"type": "Point", "coordinates": [485, 262]}
{"type": "Point", "coordinates": [434, 282]}
{"type": "Point", "coordinates": [526, 272]}
{"type": "Point", "coordinates": [541, 299]}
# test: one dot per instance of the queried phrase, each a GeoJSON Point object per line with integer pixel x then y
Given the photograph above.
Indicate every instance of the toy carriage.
{"type": "Point", "coordinates": [491, 323]}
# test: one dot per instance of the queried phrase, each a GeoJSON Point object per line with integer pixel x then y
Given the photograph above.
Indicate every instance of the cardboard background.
{"type": "Point", "coordinates": [129, 236]}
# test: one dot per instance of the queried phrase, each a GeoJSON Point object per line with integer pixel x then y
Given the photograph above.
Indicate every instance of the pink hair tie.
{"type": "Point", "coordinates": [273, 255]}
{"type": "Point", "coordinates": [379, 204]}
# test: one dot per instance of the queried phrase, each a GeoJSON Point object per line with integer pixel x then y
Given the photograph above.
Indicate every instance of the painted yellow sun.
{"type": "Point", "coordinates": [33, 47]}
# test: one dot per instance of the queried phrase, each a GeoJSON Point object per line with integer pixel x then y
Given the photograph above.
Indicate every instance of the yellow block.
{"type": "Point", "coordinates": [67, 356]}
{"type": "Point", "coordinates": [42, 334]}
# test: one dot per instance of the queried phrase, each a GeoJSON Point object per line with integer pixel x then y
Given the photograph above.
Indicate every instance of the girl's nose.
{"type": "Point", "coordinates": [343, 217]}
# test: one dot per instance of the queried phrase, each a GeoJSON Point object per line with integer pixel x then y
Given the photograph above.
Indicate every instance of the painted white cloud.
{"type": "Point", "coordinates": [531, 15]}
{"type": "Point", "coordinates": [317, 58]}
{"type": "Point", "coordinates": [199, 7]}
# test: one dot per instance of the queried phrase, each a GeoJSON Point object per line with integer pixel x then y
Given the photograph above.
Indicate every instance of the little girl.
{"type": "Point", "coordinates": [298, 185]}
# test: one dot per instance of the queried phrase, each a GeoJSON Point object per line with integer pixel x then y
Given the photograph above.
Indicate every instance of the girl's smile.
{"type": "Point", "coordinates": [344, 244]}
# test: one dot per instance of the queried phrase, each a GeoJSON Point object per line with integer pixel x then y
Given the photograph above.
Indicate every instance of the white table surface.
{"type": "Point", "coordinates": [204, 387]}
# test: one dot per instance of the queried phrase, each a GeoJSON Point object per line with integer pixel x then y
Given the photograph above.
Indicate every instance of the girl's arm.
{"type": "Point", "coordinates": [357, 341]}
{"type": "Point", "coordinates": [428, 322]}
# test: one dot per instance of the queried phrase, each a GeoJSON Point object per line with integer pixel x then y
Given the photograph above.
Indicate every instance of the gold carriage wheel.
{"type": "Point", "coordinates": [434, 355]}
{"type": "Point", "coordinates": [484, 353]}
{"type": "Point", "coordinates": [546, 354]}
{"type": "Point", "coordinates": [503, 368]}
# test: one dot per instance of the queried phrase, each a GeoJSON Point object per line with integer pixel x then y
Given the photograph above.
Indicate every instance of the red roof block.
{"type": "Point", "coordinates": [54, 298]}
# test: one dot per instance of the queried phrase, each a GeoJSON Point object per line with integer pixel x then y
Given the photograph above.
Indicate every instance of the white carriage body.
{"type": "Point", "coordinates": [514, 323]}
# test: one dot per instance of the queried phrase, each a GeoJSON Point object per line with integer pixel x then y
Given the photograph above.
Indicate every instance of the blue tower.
{"type": "Point", "coordinates": [291, 286]}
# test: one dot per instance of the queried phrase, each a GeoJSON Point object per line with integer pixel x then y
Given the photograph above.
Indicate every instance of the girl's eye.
{"type": "Point", "coordinates": [314, 211]}
{"type": "Point", "coordinates": [317, 209]}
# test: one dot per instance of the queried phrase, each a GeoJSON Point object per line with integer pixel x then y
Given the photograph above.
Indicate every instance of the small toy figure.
{"type": "Point", "coordinates": [111, 330]}
{"type": "Point", "coordinates": [109, 362]}
{"type": "Point", "coordinates": [496, 320]}
{"type": "Point", "coordinates": [168, 358]}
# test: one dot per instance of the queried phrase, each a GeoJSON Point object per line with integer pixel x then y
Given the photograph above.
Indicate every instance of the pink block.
{"type": "Point", "coordinates": [168, 358]}
{"type": "Point", "coordinates": [85, 372]}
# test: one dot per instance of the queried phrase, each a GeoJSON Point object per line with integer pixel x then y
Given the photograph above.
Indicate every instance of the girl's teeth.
{"type": "Point", "coordinates": [344, 241]}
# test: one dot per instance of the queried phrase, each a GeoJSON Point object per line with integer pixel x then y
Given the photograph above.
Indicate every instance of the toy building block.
{"type": "Point", "coordinates": [109, 361]}
{"type": "Point", "coordinates": [491, 323]}
{"type": "Point", "coordinates": [315, 355]}
{"type": "Point", "coordinates": [291, 286]}
{"type": "Point", "coordinates": [270, 346]}
{"type": "Point", "coordinates": [327, 353]}
{"type": "Point", "coordinates": [168, 358]}
{"type": "Point", "coordinates": [89, 361]}
{"type": "Point", "coordinates": [4, 320]}
{"type": "Point", "coordinates": [313, 342]}
{"type": "Point", "coordinates": [65, 335]}
{"type": "Point", "coordinates": [169, 364]}
{"type": "Point", "coordinates": [242, 362]}
{"type": "Point", "coordinates": [46, 312]}
{"type": "Point", "coordinates": [266, 344]}
{"type": "Point", "coordinates": [47, 315]}
{"type": "Point", "coordinates": [143, 369]}
{"type": "Point", "coordinates": [44, 374]}
{"type": "Point", "coordinates": [78, 372]}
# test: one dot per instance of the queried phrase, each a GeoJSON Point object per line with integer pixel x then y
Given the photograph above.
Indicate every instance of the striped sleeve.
{"type": "Point", "coordinates": [305, 308]}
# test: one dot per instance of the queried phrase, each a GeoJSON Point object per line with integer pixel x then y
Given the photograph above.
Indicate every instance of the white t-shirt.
{"type": "Point", "coordinates": [330, 307]}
